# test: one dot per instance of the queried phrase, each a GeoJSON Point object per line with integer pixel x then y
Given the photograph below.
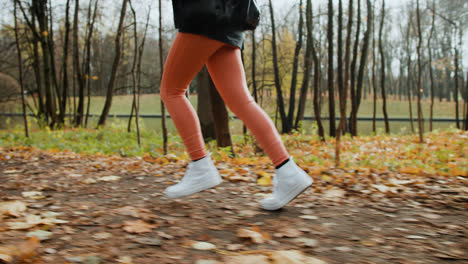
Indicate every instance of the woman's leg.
{"type": "Point", "coordinates": [226, 70]}
{"type": "Point", "coordinates": [187, 56]}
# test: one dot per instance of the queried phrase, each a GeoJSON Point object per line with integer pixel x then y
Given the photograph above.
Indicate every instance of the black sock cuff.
{"type": "Point", "coordinates": [282, 163]}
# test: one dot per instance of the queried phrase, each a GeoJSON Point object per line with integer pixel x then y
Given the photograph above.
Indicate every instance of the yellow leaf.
{"type": "Point", "coordinates": [459, 172]}
{"type": "Point", "coordinates": [45, 33]}
{"type": "Point", "coordinates": [410, 170]}
{"type": "Point", "coordinates": [265, 178]}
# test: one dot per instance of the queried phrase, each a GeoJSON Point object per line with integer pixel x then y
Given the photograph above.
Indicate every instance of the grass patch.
{"type": "Point", "coordinates": [444, 152]}
{"type": "Point", "coordinates": [150, 104]}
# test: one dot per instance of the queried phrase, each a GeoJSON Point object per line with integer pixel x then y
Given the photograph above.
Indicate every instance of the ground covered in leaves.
{"type": "Point", "coordinates": [393, 200]}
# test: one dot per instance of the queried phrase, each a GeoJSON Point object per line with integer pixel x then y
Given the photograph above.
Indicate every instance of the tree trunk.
{"type": "Point", "coordinates": [20, 69]}
{"type": "Point", "coordinates": [40, 9]}
{"type": "Point", "coordinates": [42, 113]}
{"type": "Point", "coordinates": [254, 68]}
{"type": "Point", "coordinates": [374, 84]}
{"type": "Point", "coordinates": [56, 92]}
{"type": "Point", "coordinates": [340, 85]}
{"type": "Point", "coordinates": [134, 64]}
{"type": "Point", "coordinates": [136, 104]}
{"type": "Point", "coordinates": [362, 67]}
{"type": "Point", "coordinates": [419, 87]}
{"type": "Point", "coordinates": [115, 66]}
{"type": "Point", "coordinates": [347, 58]}
{"type": "Point", "coordinates": [161, 67]}
{"type": "Point", "coordinates": [220, 118]}
{"type": "Point", "coordinates": [408, 80]}
{"type": "Point", "coordinates": [331, 93]}
{"type": "Point", "coordinates": [431, 74]}
{"type": "Point", "coordinates": [63, 107]}
{"type": "Point", "coordinates": [280, 101]}
{"type": "Point", "coordinates": [77, 66]}
{"type": "Point", "coordinates": [466, 102]}
{"type": "Point", "coordinates": [204, 108]}
{"type": "Point", "coordinates": [352, 122]}
{"type": "Point", "coordinates": [382, 70]}
{"type": "Point", "coordinates": [88, 73]}
{"type": "Point", "coordinates": [292, 94]}
{"type": "Point", "coordinates": [317, 93]}
{"type": "Point", "coordinates": [307, 67]}
{"type": "Point", "coordinates": [455, 96]}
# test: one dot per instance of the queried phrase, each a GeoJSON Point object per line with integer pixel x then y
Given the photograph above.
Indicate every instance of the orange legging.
{"type": "Point", "coordinates": [188, 54]}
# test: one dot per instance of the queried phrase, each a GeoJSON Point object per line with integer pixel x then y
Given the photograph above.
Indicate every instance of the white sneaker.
{"type": "Point", "coordinates": [289, 181]}
{"type": "Point", "coordinates": [200, 175]}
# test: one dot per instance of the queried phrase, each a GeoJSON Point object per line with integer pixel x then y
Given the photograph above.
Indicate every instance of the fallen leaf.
{"type": "Point", "coordinates": [40, 234]}
{"type": "Point", "coordinates": [109, 178]}
{"type": "Point", "coordinates": [36, 195]}
{"type": "Point", "coordinates": [306, 242]}
{"type": "Point", "coordinates": [288, 232]}
{"type": "Point", "coordinates": [128, 210]}
{"type": "Point", "coordinates": [254, 236]}
{"type": "Point", "coordinates": [334, 193]}
{"type": "Point", "coordinates": [148, 241]}
{"type": "Point", "coordinates": [102, 236]}
{"type": "Point", "coordinates": [13, 208]}
{"type": "Point", "coordinates": [203, 246]}
{"type": "Point", "coordinates": [89, 181]}
{"type": "Point", "coordinates": [265, 178]}
{"type": "Point", "coordinates": [309, 217]}
{"type": "Point", "coordinates": [410, 170]}
{"type": "Point", "coordinates": [293, 257]}
{"type": "Point", "coordinates": [249, 259]}
{"type": "Point", "coordinates": [22, 253]}
{"type": "Point", "coordinates": [239, 178]}
{"type": "Point", "coordinates": [138, 226]}
{"type": "Point", "coordinates": [125, 260]}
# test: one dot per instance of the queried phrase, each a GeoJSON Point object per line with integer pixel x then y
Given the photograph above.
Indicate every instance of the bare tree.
{"type": "Point", "coordinates": [408, 71]}
{"type": "Point", "coordinates": [362, 67]}
{"type": "Point", "coordinates": [161, 63]}
{"type": "Point", "coordinates": [134, 64]}
{"type": "Point", "coordinates": [431, 72]}
{"type": "Point", "coordinates": [279, 93]}
{"type": "Point", "coordinates": [136, 103]}
{"type": "Point", "coordinates": [419, 87]}
{"type": "Point", "coordinates": [374, 84]}
{"type": "Point", "coordinates": [382, 69]}
{"type": "Point", "coordinates": [307, 66]}
{"type": "Point", "coordinates": [331, 93]}
{"type": "Point", "coordinates": [292, 94]}
{"type": "Point", "coordinates": [254, 68]}
{"type": "Point", "coordinates": [340, 85]}
{"type": "Point", "coordinates": [87, 65]}
{"type": "Point", "coordinates": [353, 66]}
{"type": "Point", "coordinates": [115, 66]}
{"type": "Point", "coordinates": [317, 93]}
{"type": "Point", "coordinates": [65, 64]}
{"type": "Point", "coordinates": [347, 58]}
{"type": "Point", "coordinates": [466, 103]}
{"type": "Point", "coordinates": [77, 68]}
{"type": "Point", "coordinates": [20, 69]}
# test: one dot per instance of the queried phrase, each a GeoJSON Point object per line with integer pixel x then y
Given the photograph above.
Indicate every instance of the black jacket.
{"type": "Point", "coordinates": [208, 18]}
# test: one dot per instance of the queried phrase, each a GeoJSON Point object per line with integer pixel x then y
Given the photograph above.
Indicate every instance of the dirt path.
{"type": "Point", "coordinates": [424, 224]}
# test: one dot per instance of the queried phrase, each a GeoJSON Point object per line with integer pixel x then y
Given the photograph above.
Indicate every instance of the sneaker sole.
{"type": "Point", "coordinates": [194, 190]}
{"type": "Point", "coordinates": [290, 196]}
